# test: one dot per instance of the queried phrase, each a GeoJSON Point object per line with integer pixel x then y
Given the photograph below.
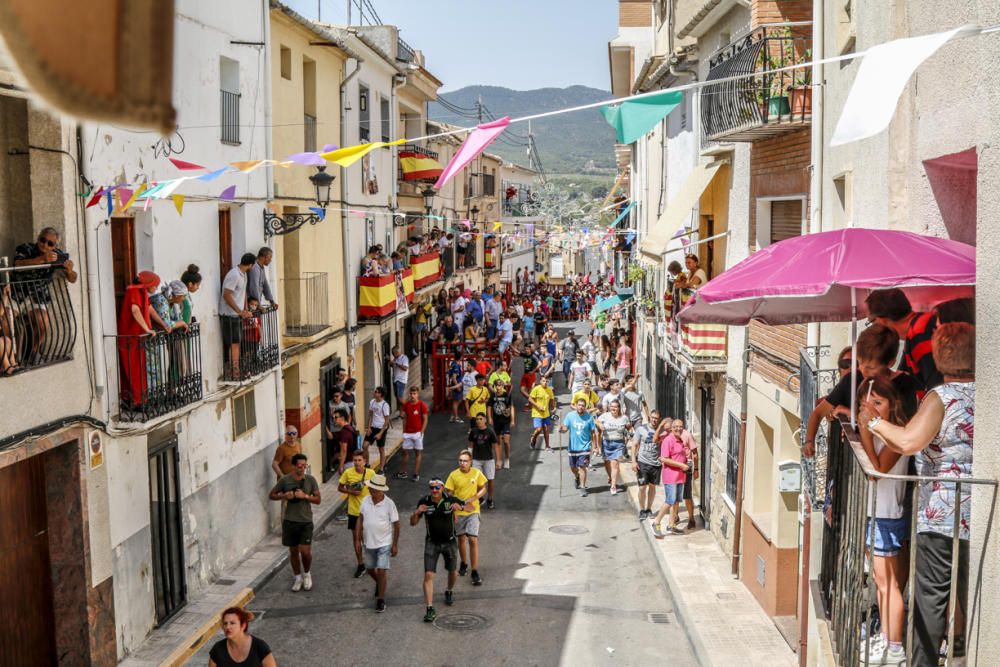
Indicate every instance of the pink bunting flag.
{"type": "Point", "coordinates": [477, 141]}
{"type": "Point", "coordinates": [185, 166]}
{"type": "Point", "coordinates": [229, 194]}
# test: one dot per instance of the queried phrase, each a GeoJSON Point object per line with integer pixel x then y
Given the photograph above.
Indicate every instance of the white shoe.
{"type": "Point", "coordinates": [307, 581]}
{"type": "Point", "coordinates": [297, 584]}
{"type": "Point", "coordinates": [876, 652]}
{"type": "Point", "coordinates": [896, 655]}
{"type": "Point", "coordinates": [506, 464]}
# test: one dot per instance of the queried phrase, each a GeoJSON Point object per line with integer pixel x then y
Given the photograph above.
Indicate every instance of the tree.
{"type": "Point", "coordinates": [599, 192]}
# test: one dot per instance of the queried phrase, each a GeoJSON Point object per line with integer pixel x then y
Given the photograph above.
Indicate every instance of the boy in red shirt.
{"type": "Point", "coordinates": [483, 367]}
{"type": "Point", "coordinates": [415, 417]}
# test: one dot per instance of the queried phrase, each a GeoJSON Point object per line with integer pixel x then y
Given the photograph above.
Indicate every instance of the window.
{"type": "Point", "coordinates": [383, 109]}
{"type": "Point", "coordinates": [225, 244]}
{"type": "Point", "coordinates": [779, 218]}
{"type": "Point", "coordinates": [309, 103]}
{"type": "Point", "coordinates": [244, 414]}
{"type": "Point", "coordinates": [229, 76]}
{"type": "Point", "coordinates": [286, 62]}
{"type": "Point", "coordinates": [369, 233]}
{"type": "Point", "coordinates": [732, 456]}
{"type": "Point", "coordinates": [364, 115]}
{"type": "Point", "coordinates": [842, 213]}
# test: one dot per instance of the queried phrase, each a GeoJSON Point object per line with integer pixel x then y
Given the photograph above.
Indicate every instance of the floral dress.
{"type": "Point", "coordinates": [949, 455]}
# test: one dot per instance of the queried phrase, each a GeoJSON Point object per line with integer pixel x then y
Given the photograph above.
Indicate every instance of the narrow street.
{"type": "Point", "coordinates": [567, 580]}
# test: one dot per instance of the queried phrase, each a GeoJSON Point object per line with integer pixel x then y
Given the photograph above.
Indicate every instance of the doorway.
{"type": "Point", "coordinates": [327, 379]}
{"type": "Point", "coordinates": [707, 433]}
{"type": "Point", "coordinates": [386, 370]}
{"type": "Point", "coordinates": [169, 588]}
{"type": "Point", "coordinates": [123, 264]}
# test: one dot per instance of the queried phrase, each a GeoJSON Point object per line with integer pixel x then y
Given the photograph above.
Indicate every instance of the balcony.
{"type": "Point", "coordinates": [230, 117]}
{"type": "Point", "coordinates": [701, 345]}
{"type": "Point", "coordinates": [404, 52]}
{"type": "Point", "coordinates": [769, 104]}
{"type": "Point", "coordinates": [250, 345]}
{"type": "Point", "coordinates": [427, 269]}
{"type": "Point", "coordinates": [519, 199]}
{"type": "Point", "coordinates": [158, 374]}
{"type": "Point", "coordinates": [385, 296]}
{"type": "Point", "coordinates": [37, 322]}
{"type": "Point", "coordinates": [306, 305]}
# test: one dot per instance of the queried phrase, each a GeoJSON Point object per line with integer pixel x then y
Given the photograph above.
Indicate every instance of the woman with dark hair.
{"type": "Point", "coordinates": [940, 438]}
{"type": "Point", "coordinates": [192, 280]}
{"type": "Point", "coordinates": [607, 354]}
{"type": "Point", "coordinates": [239, 647]}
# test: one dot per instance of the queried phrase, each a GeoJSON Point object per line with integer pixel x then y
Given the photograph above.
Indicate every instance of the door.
{"type": "Point", "coordinates": [707, 433]}
{"type": "Point", "coordinates": [386, 371]}
{"type": "Point", "coordinates": [169, 587]}
{"type": "Point", "coordinates": [327, 379]}
{"type": "Point", "coordinates": [27, 625]}
{"type": "Point", "coordinates": [225, 243]}
{"type": "Point", "coordinates": [123, 266]}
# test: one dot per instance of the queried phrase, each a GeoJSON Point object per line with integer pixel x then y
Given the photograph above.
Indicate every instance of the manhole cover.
{"type": "Point", "coordinates": [725, 596]}
{"type": "Point", "coordinates": [225, 582]}
{"type": "Point", "coordinates": [657, 617]}
{"type": "Point", "coordinates": [568, 529]}
{"type": "Point", "coordinates": [462, 622]}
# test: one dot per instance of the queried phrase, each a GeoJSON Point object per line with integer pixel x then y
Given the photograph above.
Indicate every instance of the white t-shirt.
{"type": "Point", "coordinates": [579, 370]}
{"type": "Point", "coordinates": [507, 329]}
{"type": "Point", "coordinates": [520, 310]}
{"type": "Point", "coordinates": [608, 397]}
{"type": "Point", "coordinates": [468, 382]}
{"type": "Point", "coordinates": [613, 427]}
{"type": "Point", "coordinates": [890, 493]}
{"type": "Point", "coordinates": [236, 281]}
{"type": "Point", "coordinates": [401, 374]}
{"type": "Point", "coordinates": [377, 521]}
{"type": "Point", "coordinates": [380, 412]}
{"type": "Point", "coordinates": [458, 310]}
{"type": "Point", "coordinates": [590, 350]}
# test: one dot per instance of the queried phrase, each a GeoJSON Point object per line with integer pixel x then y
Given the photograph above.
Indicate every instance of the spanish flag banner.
{"type": "Point", "coordinates": [417, 166]}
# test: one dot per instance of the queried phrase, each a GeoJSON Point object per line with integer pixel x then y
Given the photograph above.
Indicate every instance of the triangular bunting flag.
{"type": "Point", "coordinates": [185, 166]}
{"type": "Point", "coordinates": [212, 175]}
{"type": "Point", "coordinates": [179, 203]}
{"type": "Point", "coordinates": [497, 226]}
{"type": "Point", "coordinates": [632, 119]}
{"type": "Point", "coordinates": [345, 157]}
{"type": "Point", "coordinates": [477, 141]}
{"type": "Point", "coordinates": [229, 194]}
{"type": "Point", "coordinates": [93, 200]}
{"type": "Point", "coordinates": [321, 212]}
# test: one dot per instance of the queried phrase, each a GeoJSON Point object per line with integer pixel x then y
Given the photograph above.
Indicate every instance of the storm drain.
{"type": "Point", "coordinates": [657, 617]}
{"type": "Point", "coordinates": [462, 622]}
{"type": "Point", "coordinates": [568, 529]}
{"type": "Point", "coordinates": [225, 582]}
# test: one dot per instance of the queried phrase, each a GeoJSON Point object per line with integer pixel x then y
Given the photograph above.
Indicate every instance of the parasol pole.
{"type": "Point", "coordinates": [854, 357]}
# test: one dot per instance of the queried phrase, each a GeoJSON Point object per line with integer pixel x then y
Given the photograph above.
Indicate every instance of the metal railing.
{"type": "Point", "coordinates": [230, 117]}
{"type": "Point", "coordinates": [414, 148]}
{"type": "Point", "coordinates": [404, 52]}
{"type": "Point", "coordinates": [309, 126]}
{"type": "Point", "coordinates": [847, 584]}
{"type": "Point", "coordinates": [158, 374]}
{"type": "Point", "coordinates": [37, 323]}
{"type": "Point", "coordinates": [814, 383]}
{"type": "Point", "coordinates": [249, 345]}
{"type": "Point", "coordinates": [306, 304]}
{"type": "Point", "coordinates": [773, 101]}
{"type": "Point", "coordinates": [522, 200]}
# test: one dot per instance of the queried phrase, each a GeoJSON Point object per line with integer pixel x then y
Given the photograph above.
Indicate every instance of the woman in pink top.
{"type": "Point", "coordinates": [673, 456]}
{"type": "Point", "coordinates": [624, 357]}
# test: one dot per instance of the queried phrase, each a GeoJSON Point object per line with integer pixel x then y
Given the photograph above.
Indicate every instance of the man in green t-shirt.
{"type": "Point", "coordinates": [301, 492]}
{"type": "Point", "coordinates": [352, 483]}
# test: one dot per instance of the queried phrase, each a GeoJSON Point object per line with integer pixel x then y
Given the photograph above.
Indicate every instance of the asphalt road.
{"type": "Point", "coordinates": [566, 580]}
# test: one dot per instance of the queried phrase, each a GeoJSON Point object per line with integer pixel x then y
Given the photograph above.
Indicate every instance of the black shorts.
{"type": "Point", "coordinates": [296, 533]}
{"type": "Point", "coordinates": [501, 426]}
{"type": "Point", "coordinates": [431, 552]}
{"type": "Point", "coordinates": [232, 330]}
{"type": "Point", "coordinates": [688, 484]}
{"type": "Point", "coordinates": [352, 521]}
{"type": "Point", "coordinates": [649, 474]}
{"type": "Point", "coordinates": [379, 441]}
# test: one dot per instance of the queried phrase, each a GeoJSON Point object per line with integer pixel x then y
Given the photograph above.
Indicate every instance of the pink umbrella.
{"type": "Point", "coordinates": [825, 277]}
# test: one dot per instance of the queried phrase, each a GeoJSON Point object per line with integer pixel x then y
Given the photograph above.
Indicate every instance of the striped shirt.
{"type": "Point", "coordinates": [917, 352]}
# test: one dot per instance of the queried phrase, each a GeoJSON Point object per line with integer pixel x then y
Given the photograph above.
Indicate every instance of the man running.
{"type": "Point", "coordinates": [531, 361]}
{"type": "Point", "coordinates": [579, 373]}
{"type": "Point", "coordinates": [588, 395]}
{"type": "Point", "coordinates": [581, 427]}
{"type": "Point", "coordinates": [352, 484]}
{"type": "Point", "coordinates": [646, 438]}
{"type": "Point", "coordinates": [378, 424]}
{"type": "Point", "coordinates": [299, 491]}
{"type": "Point", "coordinates": [483, 442]}
{"type": "Point", "coordinates": [502, 373]}
{"type": "Point", "coordinates": [415, 418]}
{"type": "Point", "coordinates": [469, 485]}
{"type": "Point", "coordinates": [453, 379]}
{"type": "Point", "coordinates": [476, 399]}
{"type": "Point", "coordinates": [400, 376]}
{"type": "Point", "coordinates": [438, 510]}
{"type": "Point", "coordinates": [502, 417]}
{"type": "Point", "coordinates": [378, 525]}
{"type": "Point", "coordinates": [542, 401]}
{"type": "Point", "coordinates": [567, 354]}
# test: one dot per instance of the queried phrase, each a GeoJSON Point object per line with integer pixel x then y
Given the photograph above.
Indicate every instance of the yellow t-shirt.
{"type": "Point", "coordinates": [464, 485]}
{"type": "Point", "coordinates": [498, 375]}
{"type": "Point", "coordinates": [591, 399]}
{"type": "Point", "coordinates": [478, 397]}
{"type": "Point", "coordinates": [352, 476]}
{"type": "Point", "coordinates": [542, 396]}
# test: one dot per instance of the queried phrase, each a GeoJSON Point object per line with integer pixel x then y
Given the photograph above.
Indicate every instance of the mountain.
{"type": "Point", "coordinates": [580, 142]}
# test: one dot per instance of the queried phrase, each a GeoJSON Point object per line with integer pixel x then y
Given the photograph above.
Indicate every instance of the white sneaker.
{"type": "Point", "coordinates": [506, 464]}
{"type": "Point", "coordinates": [307, 581]}
{"type": "Point", "coordinates": [297, 584]}
{"type": "Point", "coordinates": [876, 652]}
{"type": "Point", "coordinates": [896, 655]}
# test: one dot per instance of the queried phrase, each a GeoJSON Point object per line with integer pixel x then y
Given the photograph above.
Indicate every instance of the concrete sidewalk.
{"type": "Point", "coordinates": [181, 637]}
{"type": "Point", "coordinates": [723, 620]}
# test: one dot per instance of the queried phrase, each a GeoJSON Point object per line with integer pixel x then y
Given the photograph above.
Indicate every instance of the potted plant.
{"type": "Point", "coordinates": [636, 273]}
{"type": "Point", "coordinates": [800, 92]}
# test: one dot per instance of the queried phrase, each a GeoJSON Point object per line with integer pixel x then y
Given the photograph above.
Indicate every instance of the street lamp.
{"type": "Point", "coordinates": [275, 225]}
{"type": "Point", "coordinates": [428, 194]}
{"type": "Point", "coordinates": [474, 213]}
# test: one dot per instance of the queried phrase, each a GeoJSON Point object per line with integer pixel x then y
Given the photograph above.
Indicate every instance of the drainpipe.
{"type": "Point", "coordinates": [94, 297]}
{"type": "Point", "coordinates": [741, 456]}
{"type": "Point", "coordinates": [350, 291]}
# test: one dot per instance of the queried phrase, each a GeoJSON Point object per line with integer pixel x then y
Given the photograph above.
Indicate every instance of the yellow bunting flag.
{"type": "Point", "coordinates": [135, 195]}
{"type": "Point", "coordinates": [246, 166]}
{"type": "Point", "coordinates": [497, 226]}
{"type": "Point", "coordinates": [345, 157]}
{"type": "Point", "coordinates": [179, 203]}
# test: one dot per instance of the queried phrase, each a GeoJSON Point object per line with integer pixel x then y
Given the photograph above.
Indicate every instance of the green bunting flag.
{"type": "Point", "coordinates": [634, 118]}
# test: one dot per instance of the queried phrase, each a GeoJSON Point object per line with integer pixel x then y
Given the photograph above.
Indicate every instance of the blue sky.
{"type": "Point", "coordinates": [519, 44]}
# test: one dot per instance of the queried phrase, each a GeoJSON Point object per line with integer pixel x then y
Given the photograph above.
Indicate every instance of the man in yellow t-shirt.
{"type": "Point", "coordinates": [476, 399]}
{"type": "Point", "coordinates": [468, 484]}
{"type": "Point", "coordinates": [587, 395]}
{"type": "Point", "coordinates": [542, 400]}
{"type": "Point", "coordinates": [352, 483]}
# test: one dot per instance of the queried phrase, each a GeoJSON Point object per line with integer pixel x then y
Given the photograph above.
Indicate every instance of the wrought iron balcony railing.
{"type": "Point", "coordinates": [306, 302]}
{"type": "Point", "coordinates": [230, 117]}
{"type": "Point", "coordinates": [37, 323]}
{"type": "Point", "coordinates": [250, 346]}
{"type": "Point", "coordinates": [158, 374]}
{"type": "Point", "coordinates": [404, 52]}
{"type": "Point", "coordinates": [774, 101]}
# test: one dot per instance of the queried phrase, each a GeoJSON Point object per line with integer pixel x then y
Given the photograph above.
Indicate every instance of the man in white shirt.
{"type": "Point", "coordinates": [233, 309]}
{"type": "Point", "coordinates": [400, 377]}
{"type": "Point", "coordinates": [614, 394]}
{"type": "Point", "coordinates": [590, 351]}
{"type": "Point", "coordinates": [378, 424]}
{"type": "Point", "coordinates": [458, 311]}
{"type": "Point", "coordinates": [493, 308]}
{"type": "Point", "coordinates": [377, 529]}
{"type": "Point", "coordinates": [506, 332]}
{"type": "Point", "coordinates": [579, 372]}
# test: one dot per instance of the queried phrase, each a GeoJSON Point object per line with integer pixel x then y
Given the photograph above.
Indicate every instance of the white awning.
{"type": "Point", "coordinates": [678, 211]}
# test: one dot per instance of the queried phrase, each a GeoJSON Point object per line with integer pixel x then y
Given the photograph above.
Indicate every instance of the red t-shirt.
{"type": "Point", "coordinates": [484, 368]}
{"type": "Point", "coordinates": [413, 416]}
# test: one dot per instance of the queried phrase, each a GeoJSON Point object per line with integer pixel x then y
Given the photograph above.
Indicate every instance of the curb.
{"type": "Point", "coordinates": [680, 608]}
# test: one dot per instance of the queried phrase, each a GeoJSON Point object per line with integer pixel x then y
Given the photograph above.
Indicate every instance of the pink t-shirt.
{"type": "Point", "coordinates": [673, 448]}
{"type": "Point", "coordinates": [624, 356]}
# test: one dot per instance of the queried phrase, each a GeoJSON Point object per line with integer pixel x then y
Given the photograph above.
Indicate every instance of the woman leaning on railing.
{"type": "Point", "coordinates": [940, 438]}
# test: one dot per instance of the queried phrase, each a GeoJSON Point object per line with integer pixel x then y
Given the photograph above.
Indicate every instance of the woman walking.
{"type": "Point", "coordinates": [240, 648]}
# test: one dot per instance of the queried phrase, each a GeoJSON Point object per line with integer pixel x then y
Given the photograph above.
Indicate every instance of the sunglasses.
{"type": "Point", "coordinates": [435, 486]}
{"type": "Point", "coordinates": [49, 242]}
{"type": "Point", "coordinates": [291, 432]}
{"type": "Point", "coordinates": [844, 364]}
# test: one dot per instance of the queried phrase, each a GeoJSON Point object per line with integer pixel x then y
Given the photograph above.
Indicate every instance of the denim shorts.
{"type": "Point", "coordinates": [673, 493]}
{"type": "Point", "coordinates": [378, 558]}
{"type": "Point", "coordinates": [541, 422]}
{"type": "Point", "coordinates": [890, 534]}
{"type": "Point", "coordinates": [613, 449]}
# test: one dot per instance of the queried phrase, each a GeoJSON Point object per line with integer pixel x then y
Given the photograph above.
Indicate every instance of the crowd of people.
{"type": "Point", "coordinates": [378, 262]}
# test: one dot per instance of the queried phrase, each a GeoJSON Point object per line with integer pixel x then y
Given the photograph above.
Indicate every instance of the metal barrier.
{"type": "Point", "coordinates": [846, 579]}
{"type": "Point", "coordinates": [443, 353]}
{"type": "Point", "coordinates": [249, 345]}
{"type": "Point", "coordinates": [306, 304]}
{"type": "Point", "coordinates": [158, 374]}
{"type": "Point", "coordinates": [37, 323]}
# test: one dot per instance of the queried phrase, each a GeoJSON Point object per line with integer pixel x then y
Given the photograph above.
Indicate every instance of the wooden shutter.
{"type": "Point", "coordinates": [225, 243]}
{"type": "Point", "coordinates": [786, 219]}
{"type": "Point", "coordinates": [122, 256]}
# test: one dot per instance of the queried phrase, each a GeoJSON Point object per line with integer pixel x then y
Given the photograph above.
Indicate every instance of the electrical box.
{"type": "Point", "coordinates": [789, 477]}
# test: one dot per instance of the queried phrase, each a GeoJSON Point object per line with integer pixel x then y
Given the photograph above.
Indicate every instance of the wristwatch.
{"type": "Point", "coordinates": [873, 422]}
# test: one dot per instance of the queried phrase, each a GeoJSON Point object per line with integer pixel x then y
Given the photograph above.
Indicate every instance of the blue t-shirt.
{"type": "Point", "coordinates": [580, 431]}
{"type": "Point", "coordinates": [454, 373]}
{"type": "Point", "coordinates": [529, 324]}
{"type": "Point", "coordinates": [565, 302]}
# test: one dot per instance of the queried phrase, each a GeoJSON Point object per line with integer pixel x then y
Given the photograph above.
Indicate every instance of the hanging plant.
{"type": "Point", "coordinates": [636, 273]}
